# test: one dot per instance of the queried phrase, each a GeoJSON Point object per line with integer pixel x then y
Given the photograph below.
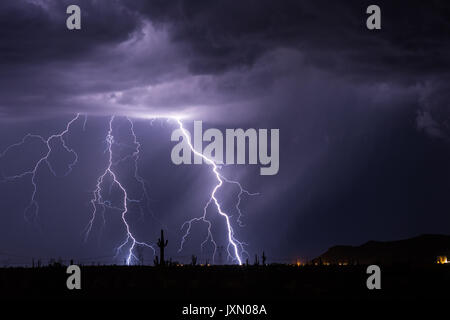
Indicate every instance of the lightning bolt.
{"type": "Point", "coordinates": [44, 160]}
{"type": "Point", "coordinates": [135, 157]}
{"type": "Point", "coordinates": [235, 248]}
{"type": "Point", "coordinates": [242, 191]}
{"type": "Point", "coordinates": [97, 199]}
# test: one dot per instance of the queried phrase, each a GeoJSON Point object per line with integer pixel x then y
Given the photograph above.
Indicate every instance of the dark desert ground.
{"type": "Point", "coordinates": [335, 275]}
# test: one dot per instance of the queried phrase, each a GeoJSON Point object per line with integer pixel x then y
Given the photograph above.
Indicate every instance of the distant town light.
{"type": "Point", "coordinates": [442, 260]}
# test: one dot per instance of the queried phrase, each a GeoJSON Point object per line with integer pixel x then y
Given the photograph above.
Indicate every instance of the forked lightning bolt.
{"type": "Point", "coordinates": [34, 204]}
{"type": "Point", "coordinates": [236, 246]}
{"type": "Point", "coordinates": [242, 191]}
{"type": "Point", "coordinates": [135, 157]}
{"type": "Point", "coordinates": [98, 200]}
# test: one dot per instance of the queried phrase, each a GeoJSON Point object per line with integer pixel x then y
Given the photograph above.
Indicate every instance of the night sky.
{"type": "Point", "coordinates": [364, 121]}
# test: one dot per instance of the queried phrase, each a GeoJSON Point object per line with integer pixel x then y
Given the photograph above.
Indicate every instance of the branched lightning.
{"type": "Point", "coordinates": [235, 248]}
{"type": "Point", "coordinates": [242, 191]}
{"type": "Point", "coordinates": [34, 204]}
{"type": "Point", "coordinates": [135, 157]}
{"type": "Point", "coordinates": [98, 200]}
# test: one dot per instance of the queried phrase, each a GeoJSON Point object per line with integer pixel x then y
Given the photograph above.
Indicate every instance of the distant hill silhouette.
{"type": "Point", "coordinates": [419, 250]}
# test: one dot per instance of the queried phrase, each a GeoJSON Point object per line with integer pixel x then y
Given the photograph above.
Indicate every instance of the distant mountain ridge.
{"type": "Point", "coordinates": [423, 249]}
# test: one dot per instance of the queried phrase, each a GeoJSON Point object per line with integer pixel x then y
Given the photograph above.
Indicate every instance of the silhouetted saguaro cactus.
{"type": "Point", "coordinates": [156, 261]}
{"type": "Point", "coordinates": [263, 259]}
{"type": "Point", "coordinates": [162, 244]}
{"type": "Point", "coordinates": [194, 260]}
{"type": "Point", "coordinates": [256, 260]}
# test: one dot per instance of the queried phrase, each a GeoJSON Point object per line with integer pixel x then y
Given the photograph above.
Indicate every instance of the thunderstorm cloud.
{"type": "Point", "coordinates": [363, 115]}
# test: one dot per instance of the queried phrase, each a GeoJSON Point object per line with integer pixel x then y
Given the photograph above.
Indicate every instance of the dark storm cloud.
{"type": "Point", "coordinates": [34, 32]}
{"type": "Point", "coordinates": [412, 49]}
{"type": "Point", "coordinates": [38, 53]}
{"type": "Point", "coordinates": [224, 34]}
{"type": "Point", "coordinates": [130, 55]}
{"type": "Point", "coordinates": [351, 105]}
